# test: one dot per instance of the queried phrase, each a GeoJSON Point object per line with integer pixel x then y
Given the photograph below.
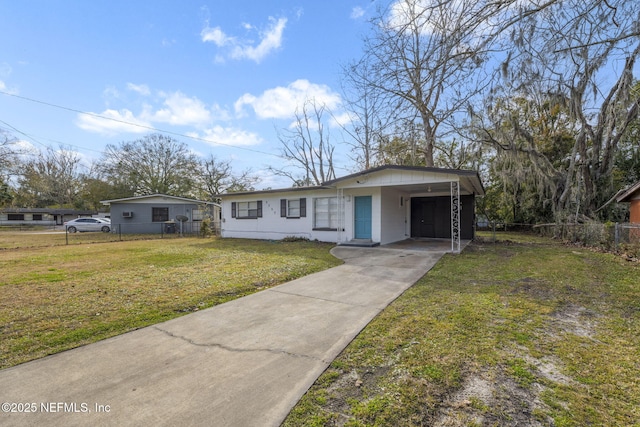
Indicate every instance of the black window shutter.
{"type": "Point", "coordinates": [283, 207]}
{"type": "Point", "coordinates": [259, 208]}
{"type": "Point", "coordinates": [303, 207]}
{"type": "Point", "coordinates": [233, 209]}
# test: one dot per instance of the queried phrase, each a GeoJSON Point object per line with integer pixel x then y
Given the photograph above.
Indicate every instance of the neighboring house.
{"type": "Point", "coordinates": [40, 216]}
{"type": "Point", "coordinates": [632, 196]}
{"type": "Point", "coordinates": [159, 213]}
{"type": "Point", "coordinates": [377, 206]}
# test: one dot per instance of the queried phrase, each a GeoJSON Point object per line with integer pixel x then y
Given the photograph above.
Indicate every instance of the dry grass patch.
{"type": "Point", "coordinates": [530, 334]}
{"type": "Point", "coordinates": [52, 299]}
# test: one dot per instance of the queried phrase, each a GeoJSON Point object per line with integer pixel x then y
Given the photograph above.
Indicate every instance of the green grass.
{"type": "Point", "coordinates": [502, 334]}
{"type": "Point", "coordinates": [60, 298]}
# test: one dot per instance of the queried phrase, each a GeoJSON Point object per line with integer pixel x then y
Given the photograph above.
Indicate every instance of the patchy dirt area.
{"type": "Point", "coordinates": [503, 335]}
{"type": "Point", "coordinates": [491, 396]}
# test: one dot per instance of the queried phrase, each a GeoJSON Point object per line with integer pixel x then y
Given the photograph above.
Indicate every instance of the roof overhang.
{"type": "Point", "coordinates": [629, 194]}
{"type": "Point", "coordinates": [156, 196]}
{"type": "Point", "coordinates": [410, 179]}
{"type": "Point", "coordinates": [413, 179]}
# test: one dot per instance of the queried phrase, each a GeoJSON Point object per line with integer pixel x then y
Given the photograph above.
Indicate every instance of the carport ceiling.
{"type": "Point", "coordinates": [437, 188]}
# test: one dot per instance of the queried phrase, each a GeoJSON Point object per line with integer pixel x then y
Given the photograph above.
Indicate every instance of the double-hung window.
{"type": "Point", "coordinates": [245, 210]}
{"type": "Point", "coordinates": [293, 208]}
{"type": "Point", "coordinates": [159, 214]}
{"type": "Point", "coordinates": [325, 213]}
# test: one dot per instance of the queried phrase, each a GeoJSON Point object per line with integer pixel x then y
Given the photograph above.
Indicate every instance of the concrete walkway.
{"type": "Point", "coordinates": [243, 363]}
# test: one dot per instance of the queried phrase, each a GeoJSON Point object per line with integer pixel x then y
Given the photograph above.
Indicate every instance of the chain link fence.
{"type": "Point", "coordinates": [20, 236]}
{"type": "Point", "coordinates": [614, 237]}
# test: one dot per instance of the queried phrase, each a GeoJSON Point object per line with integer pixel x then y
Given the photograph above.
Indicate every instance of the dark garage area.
{"type": "Point", "coordinates": [431, 217]}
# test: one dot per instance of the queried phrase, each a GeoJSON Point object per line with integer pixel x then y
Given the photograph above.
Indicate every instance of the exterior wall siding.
{"type": "Point", "coordinates": [391, 191]}
{"type": "Point", "coordinates": [634, 211]}
{"type": "Point", "coordinates": [271, 225]}
{"type": "Point", "coordinates": [142, 221]}
{"type": "Point", "coordinates": [394, 217]}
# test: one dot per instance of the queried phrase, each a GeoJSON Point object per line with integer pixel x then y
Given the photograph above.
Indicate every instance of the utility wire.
{"type": "Point", "coordinates": [151, 128]}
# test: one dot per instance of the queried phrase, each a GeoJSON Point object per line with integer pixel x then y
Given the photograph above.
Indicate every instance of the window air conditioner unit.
{"type": "Point", "coordinates": [127, 214]}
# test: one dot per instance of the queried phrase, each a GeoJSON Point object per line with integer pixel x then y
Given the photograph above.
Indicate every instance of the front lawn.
{"type": "Point", "coordinates": [56, 298]}
{"type": "Point", "coordinates": [529, 334]}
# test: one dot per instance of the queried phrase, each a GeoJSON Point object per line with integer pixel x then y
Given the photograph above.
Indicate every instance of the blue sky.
{"type": "Point", "coordinates": [231, 73]}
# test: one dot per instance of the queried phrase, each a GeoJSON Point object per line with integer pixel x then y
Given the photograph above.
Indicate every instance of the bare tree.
{"type": "Point", "coordinates": [216, 177]}
{"type": "Point", "coordinates": [367, 111]}
{"type": "Point", "coordinates": [9, 151]}
{"type": "Point", "coordinates": [427, 57]}
{"type": "Point", "coordinates": [307, 146]}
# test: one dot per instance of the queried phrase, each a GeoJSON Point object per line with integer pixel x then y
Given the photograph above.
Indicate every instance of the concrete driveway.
{"type": "Point", "coordinates": [243, 363]}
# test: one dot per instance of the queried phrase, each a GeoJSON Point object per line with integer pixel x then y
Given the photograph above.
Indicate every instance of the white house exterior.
{"type": "Point", "coordinates": [377, 206]}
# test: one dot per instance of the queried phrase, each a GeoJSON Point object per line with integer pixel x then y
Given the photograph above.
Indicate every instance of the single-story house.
{"type": "Point", "coordinates": [159, 214]}
{"type": "Point", "coordinates": [377, 206]}
{"type": "Point", "coordinates": [632, 196]}
{"type": "Point", "coordinates": [40, 216]}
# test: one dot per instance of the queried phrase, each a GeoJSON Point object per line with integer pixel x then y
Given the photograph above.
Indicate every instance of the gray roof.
{"type": "Point", "coordinates": [626, 195]}
{"type": "Point", "coordinates": [53, 211]}
{"type": "Point", "coordinates": [471, 175]}
{"type": "Point", "coordinates": [149, 196]}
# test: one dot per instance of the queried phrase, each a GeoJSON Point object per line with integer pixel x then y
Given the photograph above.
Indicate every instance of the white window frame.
{"type": "Point", "coordinates": [325, 213]}
{"type": "Point", "coordinates": [293, 208]}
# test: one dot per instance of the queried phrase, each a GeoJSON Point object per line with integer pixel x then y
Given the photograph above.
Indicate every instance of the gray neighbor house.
{"type": "Point", "coordinates": [159, 214]}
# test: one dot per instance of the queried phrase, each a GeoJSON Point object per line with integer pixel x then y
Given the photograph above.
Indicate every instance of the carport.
{"type": "Point", "coordinates": [409, 203]}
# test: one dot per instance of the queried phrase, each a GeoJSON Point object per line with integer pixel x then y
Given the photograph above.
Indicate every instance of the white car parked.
{"type": "Point", "coordinates": [88, 224]}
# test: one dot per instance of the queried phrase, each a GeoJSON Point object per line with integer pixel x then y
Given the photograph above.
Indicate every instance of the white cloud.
{"type": "Point", "coordinates": [180, 110]}
{"type": "Point", "coordinates": [170, 108]}
{"type": "Point", "coordinates": [217, 36]}
{"type": "Point", "coordinates": [283, 102]}
{"type": "Point", "coordinates": [229, 136]}
{"type": "Point", "coordinates": [435, 17]}
{"type": "Point", "coordinates": [112, 122]}
{"type": "Point", "coordinates": [270, 40]}
{"type": "Point", "coordinates": [357, 12]}
{"type": "Point", "coordinates": [341, 119]}
{"type": "Point", "coordinates": [141, 89]}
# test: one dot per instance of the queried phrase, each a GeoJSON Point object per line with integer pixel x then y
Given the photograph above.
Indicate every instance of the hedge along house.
{"type": "Point", "coordinates": [377, 206]}
{"type": "Point", "coordinates": [160, 213]}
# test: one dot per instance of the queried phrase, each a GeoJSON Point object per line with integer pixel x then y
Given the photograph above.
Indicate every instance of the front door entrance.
{"type": "Point", "coordinates": [362, 217]}
{"type": "Point", "coordinates": [423, 214]}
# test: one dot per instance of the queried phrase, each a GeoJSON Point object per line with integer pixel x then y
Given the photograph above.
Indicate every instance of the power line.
{"type": "Point", "coordinates": [15, 129]}
{"type": "Point", "coordinates": [151, 128]}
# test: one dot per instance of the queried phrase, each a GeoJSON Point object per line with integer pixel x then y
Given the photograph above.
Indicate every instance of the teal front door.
{"type": "Point", "coordinates": [362, 218]}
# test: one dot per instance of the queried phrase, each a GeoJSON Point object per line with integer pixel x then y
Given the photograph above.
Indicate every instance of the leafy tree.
{"type": "Point", "coordinates": [153, 164]}
{"type": "Point", "coordinates": [5, 194]}
{"type": "Point", "coordinates": [50, 178]}
{"type": "Point", "coordinates": [565, 101]}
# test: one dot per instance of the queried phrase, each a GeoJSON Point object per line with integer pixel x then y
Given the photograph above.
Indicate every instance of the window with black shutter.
{"type": "Point", "coordinates": [246, 210]}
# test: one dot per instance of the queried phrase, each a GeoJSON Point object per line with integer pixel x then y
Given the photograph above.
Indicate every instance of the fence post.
{"type": "Point", "coordinates": [617, 236]}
